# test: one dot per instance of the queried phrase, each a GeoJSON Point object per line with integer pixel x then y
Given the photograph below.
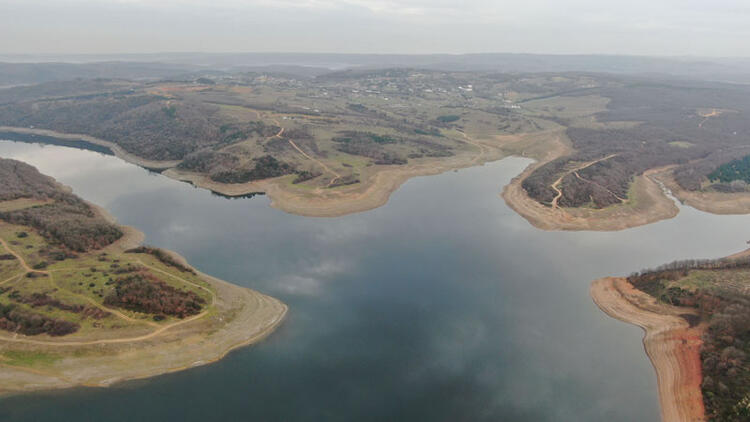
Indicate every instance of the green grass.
{"type": "Point", "coordinates": [21, 203]}
{"type": "Point", "coordinates": [28, 358]}
{"type": "Point", "coordinates": [736, 280]}
{"type": "Point", "coordinates": [82, 280]}
{"type": "Point", "coordinates": [28, 247]}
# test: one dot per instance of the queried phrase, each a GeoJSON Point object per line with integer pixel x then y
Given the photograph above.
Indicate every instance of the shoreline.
{"type": "Point", "coordinates": [711, 202]}
{"type": "Point", "coordinates": [649, 203]}
{"type": "Point", "coordinates": [672, 346]}
{"type": "Point", "coordinates": [240, 317]}
{"type": "Point", "coordinates": [374, 190]}
{"type": "Point", "coordinates": [116, 149]}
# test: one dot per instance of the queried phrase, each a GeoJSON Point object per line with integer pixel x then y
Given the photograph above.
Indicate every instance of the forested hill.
{"type": "Point", "coordinates": [648, 124]}
{"type": "Point", "coordinates": [62, 218]}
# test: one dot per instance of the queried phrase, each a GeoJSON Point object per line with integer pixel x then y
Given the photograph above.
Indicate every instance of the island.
{"type": "Point", "coordinates": [607, 149]}
{"type": "Point", "coordinates": [696, 316]}
{"type": "Point", "coordinates": [83, 303]}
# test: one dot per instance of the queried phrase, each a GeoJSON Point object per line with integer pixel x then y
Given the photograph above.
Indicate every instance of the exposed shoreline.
{"type": "Point", "coordinates": [239, 317]}
{"type": "Point", "coordinates": [711, 202]}
{"type": "Point", "coordinates": [649, 203]}
{"type": "Point", "coordinates": [373, 192]}
{"type": "Point", "coordinates": [116, 149]}
{"type": "Point", "coordinates": [670, 343]}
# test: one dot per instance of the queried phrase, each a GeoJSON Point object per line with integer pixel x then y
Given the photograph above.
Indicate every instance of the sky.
{"type": "Point", "coordinates": [634, 27]}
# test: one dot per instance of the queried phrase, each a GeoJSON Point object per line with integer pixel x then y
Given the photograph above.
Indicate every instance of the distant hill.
{"type": "Point", "coordinates": [24, 69]}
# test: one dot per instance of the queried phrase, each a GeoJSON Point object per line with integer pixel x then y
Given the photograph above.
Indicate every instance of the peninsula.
{"type": "Point", "coordinates": [82, 303]}
{"type": "Point", "coordinates": [696, 316]}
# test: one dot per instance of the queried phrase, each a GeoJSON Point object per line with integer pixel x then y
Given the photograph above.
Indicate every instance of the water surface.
{"type": "Point", "coordinates": [442, 305]}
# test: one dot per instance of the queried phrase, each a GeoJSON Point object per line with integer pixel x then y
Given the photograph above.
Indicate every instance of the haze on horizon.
{"type": "Point", "coordinates": [637, 27]}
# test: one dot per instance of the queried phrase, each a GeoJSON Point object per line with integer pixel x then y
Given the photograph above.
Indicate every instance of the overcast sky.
{"type": "Point", "coordinates": [642, 27]}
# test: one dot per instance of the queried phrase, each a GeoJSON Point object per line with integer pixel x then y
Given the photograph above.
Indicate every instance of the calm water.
{"type": "Point", "coordinates": [442, 305]}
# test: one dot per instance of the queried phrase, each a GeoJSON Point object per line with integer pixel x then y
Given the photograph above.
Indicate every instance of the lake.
{"type": "Point", "coordinates": [442, 305]}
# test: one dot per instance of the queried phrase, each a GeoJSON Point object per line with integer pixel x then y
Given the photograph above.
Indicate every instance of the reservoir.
{"type": "Point", "coordinates": [442, 305]}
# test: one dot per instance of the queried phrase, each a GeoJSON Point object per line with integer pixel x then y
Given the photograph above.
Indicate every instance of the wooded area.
{"type": "Point", "coordinates": [725, 354]}
{"type": "Point", "coordinates": [668, 129]}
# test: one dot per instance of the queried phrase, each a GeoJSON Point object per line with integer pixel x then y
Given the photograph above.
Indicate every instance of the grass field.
{"type": "Point", "coordinates": [73, 287]}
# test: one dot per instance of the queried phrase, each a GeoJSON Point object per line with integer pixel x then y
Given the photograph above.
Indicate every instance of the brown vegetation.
{"type": "Point", "coordinates": [149, 126]}
{"type": "Point", "coordinates": [368, 145]}
{"type": "Point", "coordinates": [143, 292]}
{"type": "Point", "coordinates": [27, 323]}
{"type": "Point", "coordinates": [666, 118]}
{"type": "Point", "coordinates": [36, 300]}
{"type": "Point", "coordinates": [163, 257]}
{"type": "Point", "coordinates": [73, 225]}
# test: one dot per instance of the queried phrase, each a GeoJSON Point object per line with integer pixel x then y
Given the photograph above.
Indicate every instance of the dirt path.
{"type": "Point", "coordinates": [144, 337]}
{"type": "Point", "coordinates": [52, 280]}
{"type": "Point", "coordinates": [211, 292]}
{"type": "Point", "coordinates": [707, 116]}
{"type": "Point", "coordinates": [114, 312]}
{"type": "Point", "coordinates": [336, 176]}
{"type": "Point", "coordinates": [483, 149]}
{"type": "Point", "coordinates": [10, 279]}
{"type": "Point", "coordinates": [19, 258]}
{"type": "Point", "coordinates": [556, 185]}
{"type": "Point", "coordinates": [671, 344]}
{"type": "Point", "coordinates": [578, 176]}
{"type": "Point", "coordinates": [559, 194]}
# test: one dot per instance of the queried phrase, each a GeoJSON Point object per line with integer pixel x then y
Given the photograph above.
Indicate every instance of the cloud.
{"type": "Point", "coordinates": [310, 280]}
{"type": "Point", "coordinates": [665, 27]}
